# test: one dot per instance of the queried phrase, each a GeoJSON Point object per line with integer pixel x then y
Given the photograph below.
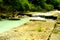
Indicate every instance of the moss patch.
{"type": "Point", "coordinates": [39, 28]}
{"type": "Point", "coordinates": [55, 31]}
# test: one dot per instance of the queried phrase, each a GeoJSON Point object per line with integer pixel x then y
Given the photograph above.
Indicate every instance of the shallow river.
{"type": "Point", "coordinates": [9, 24]}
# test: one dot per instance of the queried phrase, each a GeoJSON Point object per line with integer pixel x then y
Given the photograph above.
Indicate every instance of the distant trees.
{"type": "Point", "coordinates": [12, 4]}
{"type": "Point", "coordinates": [29, 5]}
{"type": "Point", "coordinates": [42, 4]}
{"type": "Point", "coordinates": [55, 3]}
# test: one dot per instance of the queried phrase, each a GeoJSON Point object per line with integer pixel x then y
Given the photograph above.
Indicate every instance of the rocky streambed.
{"type": "Point", "coordinates": [33, 30]}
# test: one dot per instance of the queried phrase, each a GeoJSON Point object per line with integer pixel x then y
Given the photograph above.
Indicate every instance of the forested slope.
{"type": "Point", "coordinates": [29, 5]}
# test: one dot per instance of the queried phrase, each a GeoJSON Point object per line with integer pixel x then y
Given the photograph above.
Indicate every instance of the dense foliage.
{"type": "Point", "coordinates": [29, 5]}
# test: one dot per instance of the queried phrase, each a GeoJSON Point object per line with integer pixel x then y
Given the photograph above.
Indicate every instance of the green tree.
{"type": "Point", "coordinates": [49, 7]}
{"type": "Point", "coordinates": [14, 4]}
{"type": "Point", "coordinates": [55, 3]}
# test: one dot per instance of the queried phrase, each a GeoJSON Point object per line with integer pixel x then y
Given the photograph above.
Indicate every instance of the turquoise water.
{"type": "Point", "coordinates": [6, 25]}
